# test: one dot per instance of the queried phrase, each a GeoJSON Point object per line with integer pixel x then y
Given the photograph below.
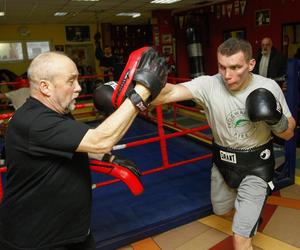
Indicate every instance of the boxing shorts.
{"type": "Point", "coordinates": [236, 164]}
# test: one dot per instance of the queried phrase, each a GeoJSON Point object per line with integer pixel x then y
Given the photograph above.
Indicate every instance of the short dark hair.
{"type": "Point", "coordinates": [234, 45]}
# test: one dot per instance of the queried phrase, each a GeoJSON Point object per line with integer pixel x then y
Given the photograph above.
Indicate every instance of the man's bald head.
{"type": "Point", "coordinates": [266, 45]}
{"type": "Point", "coordinates": [53, 81]}
{"type": "Point", "coordinates": [46, 66]}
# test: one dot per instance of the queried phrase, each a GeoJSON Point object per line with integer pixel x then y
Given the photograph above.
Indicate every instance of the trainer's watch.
{"type": "Point", "coordinates": [137, 100]}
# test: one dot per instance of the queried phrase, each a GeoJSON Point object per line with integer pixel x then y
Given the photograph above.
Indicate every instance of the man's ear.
{"type": "Point", "coordinates": [252, 63]}
{"type": "Point", "coordinates": [45, 87]}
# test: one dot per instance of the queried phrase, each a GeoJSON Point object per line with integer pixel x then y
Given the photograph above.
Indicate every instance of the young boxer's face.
{"type": "Point", "coordinates": [235, 70]}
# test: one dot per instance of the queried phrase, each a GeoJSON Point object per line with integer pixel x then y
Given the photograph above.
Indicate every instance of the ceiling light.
{"type": "Point", "coordinates": [136, 15]}
{"type": "Point", "coordinates": [2, 13]}
{"type": "Point", "coordinates": [85, 0]}
{"type": "Point", "coordinates": [60, 13]}
{"type": "Point", "coordinates": [132, 14]}
{"type": "Point", "coordinates": [165, 1]}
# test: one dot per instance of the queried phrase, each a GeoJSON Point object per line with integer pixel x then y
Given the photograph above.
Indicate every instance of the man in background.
{"type": "Point", "coordinates": [109, 64]}
{"type": "Point", "coordinates": [270, 62]}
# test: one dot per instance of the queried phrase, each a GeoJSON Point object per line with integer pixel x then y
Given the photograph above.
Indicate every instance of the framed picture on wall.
{"type": "Point", "coordinates": [166, 39]}
{"type": "Point", "coordinates": [167, 50]}
{"type": "Point", "coordinates": [262, 17]}
{"type": "Point", "coordinates": [239, 33]}
{"type": "Point", "coordinates": [77, 33]}
{"type": "Point", "coordinates": [59, 47]}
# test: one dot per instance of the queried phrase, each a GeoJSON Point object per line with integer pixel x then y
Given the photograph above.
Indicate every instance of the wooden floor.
{"type": "Point", "coordinates": [280, 229]}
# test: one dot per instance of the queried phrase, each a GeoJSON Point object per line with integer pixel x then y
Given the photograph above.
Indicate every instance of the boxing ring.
{"type": "Point", "coordinates": [176, 176]}
{"type": "Point", "coordinates": [172, 195]}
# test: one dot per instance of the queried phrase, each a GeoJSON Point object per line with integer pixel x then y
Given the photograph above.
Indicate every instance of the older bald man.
{"type": "Point", "coordinates": [269, 61]}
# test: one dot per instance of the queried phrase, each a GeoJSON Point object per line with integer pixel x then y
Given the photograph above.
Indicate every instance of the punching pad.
{"type": "Point", "coordinates": [125, 81]}
{"type": "Point", "coordinates": [194, 50]}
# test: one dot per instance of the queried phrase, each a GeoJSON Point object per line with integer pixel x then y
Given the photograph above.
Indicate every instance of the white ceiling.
{"type": "Point", "coordinates": [104, 11]}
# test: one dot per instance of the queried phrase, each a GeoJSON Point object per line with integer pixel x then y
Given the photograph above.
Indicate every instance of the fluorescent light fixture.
{"type": "Point", "coordinates": [2, 13]}
{"type": "Point", "coordinates": [136, 15]}
{"type": "Point", "coordinates": [60, 13]}
{"type": "Point", "coordinates": [85, 0]}
{"type": "Point", "coordinates": [132, 14]}
{"type": "Point", "coordinates": [165, 1]}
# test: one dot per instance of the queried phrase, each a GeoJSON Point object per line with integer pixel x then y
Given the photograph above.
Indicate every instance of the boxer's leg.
{"type": "Point", "coordinates": [222, 196]}
{"type": "Point", "coordinates": [251, 197]}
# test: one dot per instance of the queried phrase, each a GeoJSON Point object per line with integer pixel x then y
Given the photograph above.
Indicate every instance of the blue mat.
{"type": "Point", "coordinates": [172, 197]}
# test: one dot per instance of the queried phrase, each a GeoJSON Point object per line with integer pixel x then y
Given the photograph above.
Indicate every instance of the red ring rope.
{"type": "Point", "coordinates": [77, 106]}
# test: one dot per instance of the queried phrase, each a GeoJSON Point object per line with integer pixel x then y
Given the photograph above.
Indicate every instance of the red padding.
{"type": "Point", "coordinates": [127, 76]}
{"type": "Point", "coordinates": [119, 172]}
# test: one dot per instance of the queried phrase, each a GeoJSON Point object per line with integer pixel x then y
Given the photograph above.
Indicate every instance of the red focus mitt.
{"type": "Point", "coordinates": [122, 169]}
{"type": "Point", "coordinates": [143, 66]}
{"type": "Point", "coordinates": [146, 67]}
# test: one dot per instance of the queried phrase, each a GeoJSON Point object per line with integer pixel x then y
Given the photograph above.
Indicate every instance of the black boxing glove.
{"type": "Point", "coordinates": [152, 72]}
{"type": "Point", "coordinates": [261, 105]}
{"type": "Point", "coordinates": [102, 97]}
{"type": "Point", "coordinates": [121, 161]}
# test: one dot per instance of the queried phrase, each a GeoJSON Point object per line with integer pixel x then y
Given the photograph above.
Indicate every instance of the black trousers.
{"type": "Point", "coordinates": [88, 244]}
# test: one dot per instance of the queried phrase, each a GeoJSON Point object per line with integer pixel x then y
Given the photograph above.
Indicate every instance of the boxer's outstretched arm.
{"type": "Point", "coordinates": [172, 93]}
{"type": "Point", "coordinates": [111, 130]}
{"type": "Point", "coordinates": [150, 75]}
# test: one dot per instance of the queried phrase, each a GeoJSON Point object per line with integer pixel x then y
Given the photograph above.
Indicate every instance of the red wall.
{"type": "Point", "coordinates": [282, 11]}
{"type": "Point", "coordinates": [161, 20]}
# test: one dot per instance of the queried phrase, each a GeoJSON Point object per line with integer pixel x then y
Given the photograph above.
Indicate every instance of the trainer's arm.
{"type": "Point", "coordinates": [172, 93]}
{"type": "Point", "coordinates": [289, 133]}
{"type": "Point", "coordinates": [102, 138]}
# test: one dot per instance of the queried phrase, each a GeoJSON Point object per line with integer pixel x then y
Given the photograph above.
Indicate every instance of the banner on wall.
{"type": "Point", "coordinates": [229, 9]}
{"type": "Point", "coordinates": [156, 36]}
{"type": "Point", "coordinates": [218, 11]}
{"type": "Point", "coordinates": [236, 7]}
{"type": "Point", "coordinates": [243, 6]}
{"type": "Point", "coordinates": [223, 10]}
{"type": "Point", "coordinates": [181, 21]}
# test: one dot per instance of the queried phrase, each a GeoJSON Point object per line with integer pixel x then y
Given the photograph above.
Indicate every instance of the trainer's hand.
{"type": "Point", "coordinates": [261, 105]}
{"type": "Point", "coordinates": [152, 72]}
{"type": "Point", "coordinates": [121, 161]}
{"type": "Point", "coordinates": [127, 172]}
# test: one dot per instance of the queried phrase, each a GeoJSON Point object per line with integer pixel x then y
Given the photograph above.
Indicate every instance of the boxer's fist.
{"type": "Point", "coordinates": [102, 97]}
{"type": "Point", "coordinates": [152, 72]}
{"type": "Point", "coordinates": [261, 105]}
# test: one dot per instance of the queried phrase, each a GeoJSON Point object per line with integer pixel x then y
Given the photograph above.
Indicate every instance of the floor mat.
{"type": "Point", "coordinates": [171, 197]}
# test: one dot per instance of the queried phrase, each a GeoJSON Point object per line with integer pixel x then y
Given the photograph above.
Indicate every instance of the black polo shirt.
{"type": "Point", "coordinates": [47, 199]}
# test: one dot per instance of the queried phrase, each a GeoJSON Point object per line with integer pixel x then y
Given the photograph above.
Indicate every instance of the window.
{"type": "Point", "coordinates": [36, 48]}
{"type": "Point", "coordinates": [11, 51]}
